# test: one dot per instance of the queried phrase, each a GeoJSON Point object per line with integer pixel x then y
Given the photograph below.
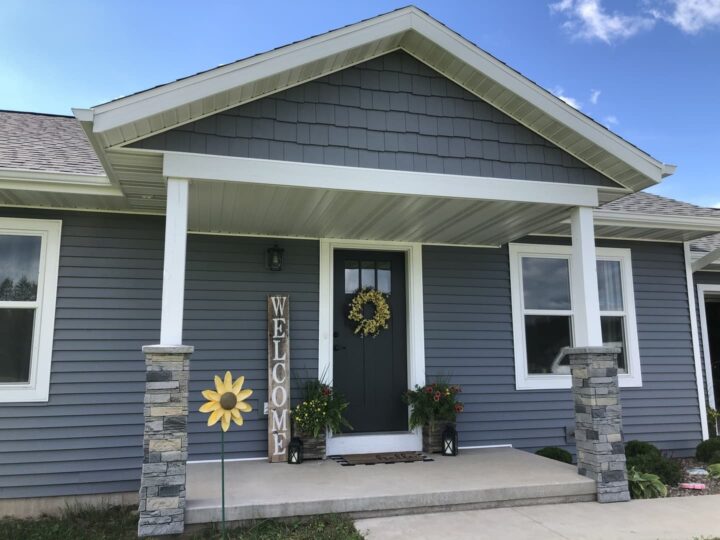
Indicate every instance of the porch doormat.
{"type": "Point", "coordinates": [375, 459]}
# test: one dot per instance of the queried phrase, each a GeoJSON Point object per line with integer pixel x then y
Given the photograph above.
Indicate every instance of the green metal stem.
{"type": "Point", "coordinates": [222, 482]}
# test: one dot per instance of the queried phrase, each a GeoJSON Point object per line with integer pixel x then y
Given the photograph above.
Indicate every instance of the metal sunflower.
{"type": "Point", "coordinates": [226, 402]}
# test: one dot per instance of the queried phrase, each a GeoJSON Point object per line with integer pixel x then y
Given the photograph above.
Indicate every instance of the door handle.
{"type": "Point", "coordinates": [339, 347]}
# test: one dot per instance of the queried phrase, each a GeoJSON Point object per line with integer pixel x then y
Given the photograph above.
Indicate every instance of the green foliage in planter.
{"type": "Point", "coordinates": [713, 418]}
{"type": "Point", "coordinates": [706, 449]}
{"type": "Point", "coordinates": [434, 402]}
{"type": "Point", "coordinates": [645, 485]}
{"type": "Point", "coordinates": [669, 471]}
{"type": "Point", "coordinates": [640, 448]}
{"type": "Point", "coordinates": [321, 409]}
{"type": "Point", "coordinates": [553, 452]}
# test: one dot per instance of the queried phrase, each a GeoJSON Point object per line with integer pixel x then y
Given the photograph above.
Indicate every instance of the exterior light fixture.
{"type": "Point", "coordinates": [449, 441]}
{"type": "Point", "coordinates": [295, 451]}
{"type": "Point", "coordinates": [275, 258]}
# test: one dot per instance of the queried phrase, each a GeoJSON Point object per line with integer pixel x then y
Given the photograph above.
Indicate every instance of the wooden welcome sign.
{"type": "Point", "coordinates": [278, 309]}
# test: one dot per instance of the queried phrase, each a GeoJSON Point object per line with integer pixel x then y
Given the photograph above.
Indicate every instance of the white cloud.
{"type": "Point", "coordinates": [587, 19]}
{"type": "Point", "coordinates": [594, 96]}
{"type": "Point", "coordinates": [611, 120]}
{"type": "Point", "coordinates": [692, 16]}
{"type": "Point", "coordinates": [560, 94]}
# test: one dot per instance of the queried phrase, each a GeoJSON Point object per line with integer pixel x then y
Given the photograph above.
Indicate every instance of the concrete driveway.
{"type": "Point", "coordinates": [682, 518]}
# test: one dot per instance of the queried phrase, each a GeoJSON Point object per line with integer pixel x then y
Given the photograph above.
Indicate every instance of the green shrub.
{"type": "Point", "coordinates": [706, 449]}
{"type": "Point", "coordinates": [553, 452]}
{"type": "Point", "coordinates": [714, 470]}
{"type": "Point", "coordinates": [715, 458]}
{"type": "Point", "coordinates": [640, 448]}
{"type": "Point", "coordinates": [669, 471]}
{"type": "Point", "coordinates": [645, 485]}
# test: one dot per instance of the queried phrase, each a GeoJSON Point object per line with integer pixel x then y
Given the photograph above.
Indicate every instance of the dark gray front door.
{"type": "Point", "coordinates": [371, 372]}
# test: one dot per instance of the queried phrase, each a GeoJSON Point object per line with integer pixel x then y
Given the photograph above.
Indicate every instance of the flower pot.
{"type": "Point", "coordinates": [432, 436]}
{"type": "Point", "coordinates": [313, 447]}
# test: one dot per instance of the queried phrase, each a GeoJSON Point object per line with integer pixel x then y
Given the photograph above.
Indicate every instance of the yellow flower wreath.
{"type": "Point", "coordinates": [369, 327]}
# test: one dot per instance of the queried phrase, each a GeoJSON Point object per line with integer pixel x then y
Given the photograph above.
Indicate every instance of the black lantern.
{"type": "Point", "coordinates": [449, 441]}
{"type": "Point", "coordinates": [275, 258]}
{"type": "Point", "coordinates": [295, 451]}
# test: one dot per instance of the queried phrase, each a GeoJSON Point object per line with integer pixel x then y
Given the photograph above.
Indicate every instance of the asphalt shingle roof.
{"type": "Point", "coordinates": [45, 142]}
{"type": "Point", "coordinates": [647, 203]}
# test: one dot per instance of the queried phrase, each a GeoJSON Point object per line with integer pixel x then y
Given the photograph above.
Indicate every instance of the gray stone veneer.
{"type": "Point", "coordinates": [598, 420]}
{"type": "Point", "coordinates": [162, 487]}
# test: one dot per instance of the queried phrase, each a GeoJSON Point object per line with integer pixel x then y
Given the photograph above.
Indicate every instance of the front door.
{"type": "Point", "coordinates": [371, 372]}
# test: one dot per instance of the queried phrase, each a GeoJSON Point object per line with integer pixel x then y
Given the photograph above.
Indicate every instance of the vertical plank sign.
{"type": "Point", "coordinates": [278, 307]}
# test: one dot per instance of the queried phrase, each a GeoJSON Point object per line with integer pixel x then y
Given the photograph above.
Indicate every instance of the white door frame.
{"type": "Point", "coordinates": [382, 442]}
{"type": "Point", "coordinates": [713, 290]}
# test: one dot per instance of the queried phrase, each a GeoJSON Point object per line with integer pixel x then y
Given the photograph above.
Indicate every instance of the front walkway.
{"type": "Point", "coordinates": [474, 479]}
{"type": "Point", "coordinates": [681, 518]}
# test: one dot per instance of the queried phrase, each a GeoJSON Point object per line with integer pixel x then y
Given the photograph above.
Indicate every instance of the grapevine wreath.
{"type": "Point", "coordinates": [369, 327]}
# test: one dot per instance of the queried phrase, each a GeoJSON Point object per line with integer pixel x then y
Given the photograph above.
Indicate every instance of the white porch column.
{"type": "Point", "coordinates": [173, 292]}
{"type": "Point", "coordinates": [583, 279]}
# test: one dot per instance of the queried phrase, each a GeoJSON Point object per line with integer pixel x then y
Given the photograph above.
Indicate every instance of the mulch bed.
{"type": "Point", "coordinates": [712, 487]}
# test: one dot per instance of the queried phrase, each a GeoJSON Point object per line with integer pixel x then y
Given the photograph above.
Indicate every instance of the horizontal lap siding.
{"type": "Point", "coordinates": [226, 320]}
{"type": "Point", "coordinates": [88, 437]}
{"type": "Point", "coordinates": [469, 340]}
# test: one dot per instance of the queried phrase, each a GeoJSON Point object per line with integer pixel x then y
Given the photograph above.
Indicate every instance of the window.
{"type": "Point", "coordinates": [543, 313]}
{"type": "Point", "coordinates": [29, 254]}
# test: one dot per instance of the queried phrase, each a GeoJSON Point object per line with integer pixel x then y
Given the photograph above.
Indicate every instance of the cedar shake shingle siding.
{"type": "Point", "coordinates": [392, 112]}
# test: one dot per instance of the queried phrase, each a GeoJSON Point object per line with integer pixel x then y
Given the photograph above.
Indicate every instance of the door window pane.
{"type": "Point", "coordinates": [16, 333]}
{"type": "Point", "coordinates": [613, 335]}
{"type": "Point", "coordinates": [19, 267]}
{"type": "Point", "coordinates": [609, 285]}
{"type": "Point", "coordinates": [545, 337]}
{"type": "Point", "coordinates": [383, 277]}
{"type": "Point", "coordinates": [352, 277]}
{"type": "Point", "coordinates": [367, 274]}
{"type": "Point", "coordinates": [546, 283]}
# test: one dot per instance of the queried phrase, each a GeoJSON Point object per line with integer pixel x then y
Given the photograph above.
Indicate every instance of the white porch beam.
{"type": "Point", "coordinates": [173, 292]}
{"type": "Point", "coordinates": [583, 279]}
{"type": "Point", "coordinates": [311, 175]}
{"type": "Point", "coordinates": [706, 260]}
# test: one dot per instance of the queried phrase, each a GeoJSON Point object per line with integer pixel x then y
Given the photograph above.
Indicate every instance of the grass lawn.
{"type": "Point", "coordinates": [120, 523]}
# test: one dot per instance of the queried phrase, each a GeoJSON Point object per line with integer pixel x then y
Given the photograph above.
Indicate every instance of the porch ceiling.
{"type": "Point", "coordinates": [246, 208]}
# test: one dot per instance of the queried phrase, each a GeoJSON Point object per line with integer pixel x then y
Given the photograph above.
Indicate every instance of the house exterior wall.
{"type": "Point", "coordinates": [392, 112]}
{"type": "Point", "coordinates": [88, 437]}
{"type": "Point", "coordinates": [469, 340]}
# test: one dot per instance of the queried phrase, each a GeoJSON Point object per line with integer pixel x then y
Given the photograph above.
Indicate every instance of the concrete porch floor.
{"type": "Point", "coordinates": [486, 478]}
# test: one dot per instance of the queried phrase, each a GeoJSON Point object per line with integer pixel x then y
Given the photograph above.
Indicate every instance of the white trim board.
{"type": "Point", "coordinates": [319, 176]}
{"type": "Point", "coordinates": [695, 341]}
{"type": "Point", "coordinates": [410, 441]}
{"type": "Point", "coordinates": [703, 292]}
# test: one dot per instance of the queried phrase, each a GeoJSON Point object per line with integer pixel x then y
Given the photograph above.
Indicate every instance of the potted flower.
{"type": "Point", "coordinates": [319, 412]}
{"type": "Point", "coordinates": [433, 407]}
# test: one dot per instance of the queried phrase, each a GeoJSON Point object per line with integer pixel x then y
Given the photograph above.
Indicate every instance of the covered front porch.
{"type": "Point", "coordinates": [484, 478]}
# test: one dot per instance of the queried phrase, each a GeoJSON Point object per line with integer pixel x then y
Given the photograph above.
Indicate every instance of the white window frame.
{"type": "Point", "coordinates": [526, 381]}
{"type": "Point", "coordinates": [37, 389]}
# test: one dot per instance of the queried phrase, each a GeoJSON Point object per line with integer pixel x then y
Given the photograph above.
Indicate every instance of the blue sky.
{"type": "Point", "coordinates": [648, 69]}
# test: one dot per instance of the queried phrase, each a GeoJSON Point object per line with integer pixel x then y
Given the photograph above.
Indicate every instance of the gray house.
{"type": "Point", "coordinates": [503, 224]}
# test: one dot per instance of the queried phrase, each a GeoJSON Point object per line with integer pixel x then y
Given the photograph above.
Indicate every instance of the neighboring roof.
{"type": "Point", "coordinates": [648, 203]}
{"type": "Point", "coordinates": [45, 142]}
{"type": "Point", "coordinates": [706, 244]}
{"type": "Point", "coordinates": [120, 122]}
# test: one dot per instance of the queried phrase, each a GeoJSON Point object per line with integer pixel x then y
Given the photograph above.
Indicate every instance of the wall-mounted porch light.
{"type": "Point", "coordinates": [275, 258]}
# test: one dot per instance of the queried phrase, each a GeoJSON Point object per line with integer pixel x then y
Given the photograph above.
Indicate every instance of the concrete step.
{"type": "Point", "coordinates": [487, 478]}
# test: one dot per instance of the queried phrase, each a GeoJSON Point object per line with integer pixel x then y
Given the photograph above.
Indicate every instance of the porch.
{"type": "Point", "coordinates": [482, 478]}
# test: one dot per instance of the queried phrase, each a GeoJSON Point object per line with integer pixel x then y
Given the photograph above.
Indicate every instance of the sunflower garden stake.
{"type": "Point", "coordinates": [225, 403]}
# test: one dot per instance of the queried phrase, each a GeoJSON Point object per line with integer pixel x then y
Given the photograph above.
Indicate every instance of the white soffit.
{"type": "Point", "coordinates": [134, 117]}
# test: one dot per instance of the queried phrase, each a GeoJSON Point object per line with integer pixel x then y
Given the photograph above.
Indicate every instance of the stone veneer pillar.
{"type": "Point", "coordinates": [162, 487]}
{"type": "Point", "coordinates": [598, 420]}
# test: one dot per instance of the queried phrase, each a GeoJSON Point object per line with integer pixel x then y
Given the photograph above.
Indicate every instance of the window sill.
{"type": "Point", "coordinates": [564, 382]}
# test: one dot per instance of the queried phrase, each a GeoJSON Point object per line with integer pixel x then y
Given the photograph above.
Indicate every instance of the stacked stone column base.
{"type": "Point", "coordinates": [162, 487]}
{"type": "Point", "coordinates": [598, 420]}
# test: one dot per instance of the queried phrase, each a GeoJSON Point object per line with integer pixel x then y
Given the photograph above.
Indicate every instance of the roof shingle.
{"type": "Point", "coordinates": [45, 142]}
